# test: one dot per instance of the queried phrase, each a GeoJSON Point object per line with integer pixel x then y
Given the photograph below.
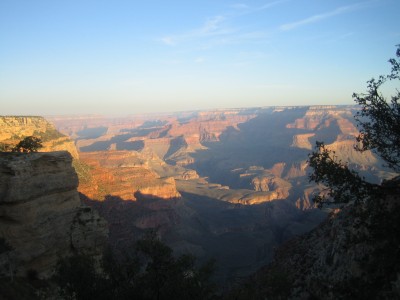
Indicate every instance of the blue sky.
{"type": "Point", "coordinates": [127, 57]}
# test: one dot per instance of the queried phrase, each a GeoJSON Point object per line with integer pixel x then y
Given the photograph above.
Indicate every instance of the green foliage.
{"type": "Point", "coordinates": [48, 135]}
{"type": "Point", "coordinates": [379, 120]}
{"type": "Point", "coordinates": [166, 277]}
{"type": "Point", "coordinates": [379, 125]}
{"type": "Point", "coordinates": [343, 185]}
{"type": "Point", "coordinates": [150, 271]}
{"type": "Point", "coordinates": [28, 144]}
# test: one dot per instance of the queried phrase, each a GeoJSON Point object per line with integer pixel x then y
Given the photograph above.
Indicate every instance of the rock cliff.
{"type": "Point", "coordinates": [354, 254]}
{"type": "Point", "coordinates": [15, 128]}
{"type": "Point", "coordinates": [124, 174]}
{"type": "Point", "coordinates": [41, 215]}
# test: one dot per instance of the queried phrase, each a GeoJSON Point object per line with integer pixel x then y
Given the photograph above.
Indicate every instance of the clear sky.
{"type": "Point", "coordinates": [127, 57]}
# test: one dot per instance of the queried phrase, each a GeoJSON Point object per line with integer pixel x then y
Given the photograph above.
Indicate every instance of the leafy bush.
{"type": "Point", "coordinates": [28, 144]}
{"type": "Point", "coordinates": [49, 134]}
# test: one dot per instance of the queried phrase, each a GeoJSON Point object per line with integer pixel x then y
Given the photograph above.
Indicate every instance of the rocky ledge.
{"type": "Point", "coordinates": [41, 215]}
{"type": "Point", "coordinates": [14, 128]}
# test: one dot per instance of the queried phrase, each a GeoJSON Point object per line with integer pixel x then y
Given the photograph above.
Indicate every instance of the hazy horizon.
{"type": "Point", "coordinates": [168, 113]}
{"type": "Point", "coordinates": [130, 57]}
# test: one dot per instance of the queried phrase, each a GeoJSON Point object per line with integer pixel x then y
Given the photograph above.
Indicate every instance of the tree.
{"type": "Point", "coordinates": [378, 122]}
{"type": "Point", "coordinates": [343, 185]}
{"type": "Point", "coordinates": [78, 279]}
{"type": "Point", "coordinates": [167, 277]}
{"type": "Point", "coordinates": [28, 144]}
{"type": "Point", "coordinates": [149, 271]}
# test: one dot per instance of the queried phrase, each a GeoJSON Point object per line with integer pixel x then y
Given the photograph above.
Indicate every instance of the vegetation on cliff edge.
{"type": "Point", "coordinates": [378, 122]}
{"type": "Point", "coordinates": [150, 271]}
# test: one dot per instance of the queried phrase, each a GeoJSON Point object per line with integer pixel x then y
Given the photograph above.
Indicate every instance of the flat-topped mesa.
{"type": "Point", "coordinates": [208, 126]}
{"type": "Point", "coordinates": [41, 216]}
{"type": "Point", "coordinates": [14, 128]}
{"type": "Point", "coordinates": [324, 116]}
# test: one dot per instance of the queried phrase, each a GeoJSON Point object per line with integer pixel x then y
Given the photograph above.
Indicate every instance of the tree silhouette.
{"type": "Point", "coordinates": [28, 144]}
{"type": "Point", "coordinates": [379, 119]}
{"type": "Point", "coordinates": [378, 122]}
{"type": "Point", "coordinates": [149, 271]}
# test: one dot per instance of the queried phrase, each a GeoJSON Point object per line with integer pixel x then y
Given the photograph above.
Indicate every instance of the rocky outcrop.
{"type": "Point", "coordinates": [322, 116]}
{"type": "Point", "coordinates": [302, 141]}
{"type": "Point", "coordinates": [298, 169]}
{"type": "Point", "coordinates": [12, 127]}
{"type": "Point", "coordinates": [41, 215]}
{"type": "Point", "coordinates": [163, 188]}
{"type": "Point", "coordinates": [345, 151]}
{"type": "Point", "coordinates": [354, 254]}
{"type": "Point", "coordinates": [272, 183]}
{"type": "Point", "coordinates": [208, 125]}
{"type": "Point", "coordinates": [15, 128]}
{"type": "Point", "coordinates": [124, 174]}
{"type": "Point", "coordinates": [189, 174]}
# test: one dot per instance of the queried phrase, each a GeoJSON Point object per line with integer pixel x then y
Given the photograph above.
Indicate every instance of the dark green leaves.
{"type": "Point", "coordinates": [28, 144]}
{"type": "Point", "coordinates": [379, 124]}
{"type": "Point", "coordinates": [379, 119]}
{"type": "Point", "coordinates": [342, 184]}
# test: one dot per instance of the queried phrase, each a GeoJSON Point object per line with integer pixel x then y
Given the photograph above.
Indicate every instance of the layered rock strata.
{"type": "Point", "coordinates": [124, 174]}
{"type": "Point", "coordinates": [14, 128]}
{"type": "Point", "coordinates": [41, 215]}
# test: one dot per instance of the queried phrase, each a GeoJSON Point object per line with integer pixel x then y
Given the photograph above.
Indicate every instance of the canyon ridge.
{"type": "Point", "coordinates": [227, 184]}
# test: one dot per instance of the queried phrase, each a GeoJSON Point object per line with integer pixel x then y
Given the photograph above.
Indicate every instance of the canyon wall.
{"type": "Point", "coordinates": [41, 215]}
{"type": "Point", "coordinates": [124, 174]}
{"type": "Point", "coordinates": [14, 128]}
{"type": "Point", "coordinates": [354, 254]}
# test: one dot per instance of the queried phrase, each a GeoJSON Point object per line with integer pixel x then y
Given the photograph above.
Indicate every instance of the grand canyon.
{"type": "Point", "coordinates": [202, 150]}
{"type": "Point", "coordinates": [227, 184]}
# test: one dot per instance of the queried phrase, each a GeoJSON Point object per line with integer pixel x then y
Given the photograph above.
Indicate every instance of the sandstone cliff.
{"type": "Point", "coordinates": [15, 128]}
{"type": "Point", "coordinates": [41, 215]}
{"type": "Point", "coordinates": [123, 174]}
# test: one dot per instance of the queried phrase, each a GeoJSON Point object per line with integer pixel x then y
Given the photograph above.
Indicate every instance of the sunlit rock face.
{"type": "Point", "coordinates": [15, 128]}
{"type": "Point", "coordinates": [41, 215]}
{"type": "Point", "coordinates": [124, 174]}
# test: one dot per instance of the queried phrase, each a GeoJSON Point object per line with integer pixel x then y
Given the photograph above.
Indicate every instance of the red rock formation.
{"type": "Point", "coordinates": [14, 128]}
{"type": "Point", "coordinates": [271, 183]}
{"type": "Point", "coordinates": [322, 116]}
{"type": "Point", "coordinates": [297, 170]}
{"type": "Point", "coordinates": [124, 174]}
{"type": "Point", "coordinates": [209, 125]}
{"type": "Point", "coordinates": [302, 140]}
{"type": "Point", "coordinates": [278, 168]}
